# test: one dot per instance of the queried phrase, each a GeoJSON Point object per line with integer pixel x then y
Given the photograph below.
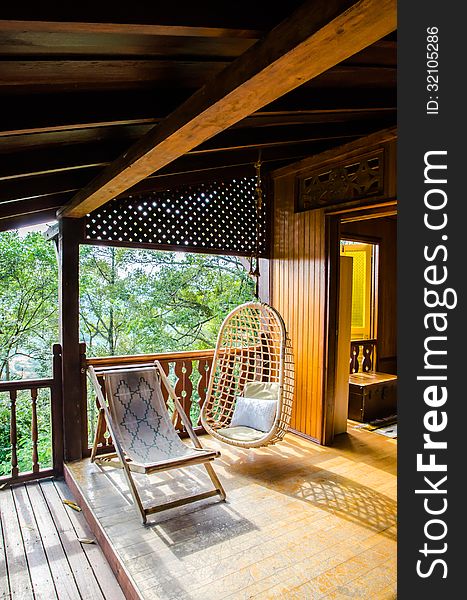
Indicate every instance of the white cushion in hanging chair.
{"type": "Point", "coordinates": [241, 434]}
{"type": "Point", "coordinates": [257, 413]}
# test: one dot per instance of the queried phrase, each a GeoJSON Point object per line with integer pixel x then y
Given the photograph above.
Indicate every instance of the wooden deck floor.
{"type": "Point", "coordinates": [300, 521]}
{"type": "Point", "coordinates": [41, 556]}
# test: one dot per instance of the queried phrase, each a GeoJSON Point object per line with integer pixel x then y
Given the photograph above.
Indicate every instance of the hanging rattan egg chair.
{"type": "Point", "coordinates": [251, 385]}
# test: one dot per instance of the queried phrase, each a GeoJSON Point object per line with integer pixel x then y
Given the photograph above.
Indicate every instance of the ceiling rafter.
{"type": "Point", "coordinates": [29, 159]}
{"type": "Point", "coordinates": [19, 26]}
{"type": "Point", "coordinates": [288, 56]}
{"type": "Point", "coordinates": [264, 118]}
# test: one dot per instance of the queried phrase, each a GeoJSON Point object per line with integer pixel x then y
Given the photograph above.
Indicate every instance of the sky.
{"type": "Point", "coordinates": [41, 227]}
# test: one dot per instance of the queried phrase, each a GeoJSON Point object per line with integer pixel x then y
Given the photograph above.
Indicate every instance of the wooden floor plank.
{"type": "Point", "coordinates": [4, 585]}
{"type": "Point", "coordinates": [17, 565]}
{"type": "Point", "coordinates": [95, 556]}
{"type": "Point", "coordinates": [299, 520]}
{"type": "Point", "coordinates": [41, 577]}
{"type": "Point", "coordinates": [61, 571]}
{"type": "Point", "coordinates": [40, 555]}
{"type": "Point", "coordinates": [83, 574]}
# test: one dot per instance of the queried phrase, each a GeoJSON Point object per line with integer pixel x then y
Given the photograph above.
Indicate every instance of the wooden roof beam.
{"type": "Point", "coordinates": [311, 41]}
{"type": "Point", "coordinates": [88, 108]}
{"type": "Point", "coordinates": [55, 158]}
{"type": "Point", "coordinates": [44, 216]}
{"type": "Point", "coordinates": [20, 208]}
{"type": "Point", "coordinates": [18, 26]}
{"type": "Point", "coordinates": [244, 14]}
{"type": "Point", "coordinates": [71, 181]}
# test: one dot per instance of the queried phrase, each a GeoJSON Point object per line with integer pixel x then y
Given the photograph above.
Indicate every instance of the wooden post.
{"type": "Point", "coordinates": [84, 400]}
{"type": "Point", "coordinates": [332, 278]}
{"type": "Point", "coordinates": [56, 399]}
{"type": "Point", "coordinates": [69, 237]}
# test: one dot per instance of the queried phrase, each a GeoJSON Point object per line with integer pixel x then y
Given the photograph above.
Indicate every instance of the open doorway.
{"type": "Point", "coordinates": [364, 293]}
{"type": "Point", "coordinates": [363, 349]}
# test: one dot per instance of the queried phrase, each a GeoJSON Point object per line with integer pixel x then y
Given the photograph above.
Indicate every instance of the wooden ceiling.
{"type": "Point", "coordinates": [80, 88]}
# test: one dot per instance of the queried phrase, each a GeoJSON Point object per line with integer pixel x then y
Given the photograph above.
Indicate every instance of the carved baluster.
{"type": "Point", "coordinates": [204, 368]}
{"type": "Point", "coordinates": [184, 387]}
{"type": "Point", "coordinates": [367, 357]}
{"type": "Point", "coordinates": [101, 427]}
{"type": "Point", "coordinates": [354, 352]}
{"type": "Point", "coordinates": [35, 456]}
{"type": "Point", "coordinates": [99, 432]}
{"type": "Point", "coordinates": [13, 434]}
{"type": "Point", "coordinates": [188, 385]}
{"type": "Point", "coordinates": [165, 368]}
{"type": "Point", "coordinates": [175, 386]}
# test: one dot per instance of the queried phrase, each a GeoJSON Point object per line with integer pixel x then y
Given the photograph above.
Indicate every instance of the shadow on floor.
{"type": "Point", "coordinates": [208, 525]}
{"type": "Point", "coordinates": [333, 493]}
{"type": "Point", "coordinates": [350, 501]}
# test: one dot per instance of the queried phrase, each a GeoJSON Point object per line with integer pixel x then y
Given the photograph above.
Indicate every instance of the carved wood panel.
{"type": "Point", "coordinates": [358, 178]}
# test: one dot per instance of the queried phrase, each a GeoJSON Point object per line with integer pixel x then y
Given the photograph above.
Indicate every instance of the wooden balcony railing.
{"type": "Point", "coordinates": [187, 371]}
{"type": "Point", "coordinates": [24, 394]}
{"type": "Point", "coordinates": [362, 356]}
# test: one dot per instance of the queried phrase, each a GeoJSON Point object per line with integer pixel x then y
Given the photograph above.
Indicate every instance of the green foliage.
{"type": "Point", "coordinates": [23, 431]}
{"type": "Point", "coordinates": [28, 328]}
{"type": "Point", "coordinates": [28, 305]}
{"type": "Point", "coordinates": [140, 301]}
{"type": "Point", "coordinates": [131, 302]}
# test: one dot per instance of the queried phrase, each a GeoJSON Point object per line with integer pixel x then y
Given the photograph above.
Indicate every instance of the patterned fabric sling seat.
{"type": "Point", "coordinates": [135, 414]}
{"type": "Point", "coordinates": [141, 418]}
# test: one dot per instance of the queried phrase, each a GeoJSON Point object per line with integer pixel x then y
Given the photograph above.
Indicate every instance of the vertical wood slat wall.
{"type": "Point", "coordinates": [298, 286]}
{"type": "Point", "coordinates": [298, 292]}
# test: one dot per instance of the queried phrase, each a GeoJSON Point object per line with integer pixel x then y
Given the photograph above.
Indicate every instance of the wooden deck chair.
{"type": "Point", "coordinates": [142, 431]}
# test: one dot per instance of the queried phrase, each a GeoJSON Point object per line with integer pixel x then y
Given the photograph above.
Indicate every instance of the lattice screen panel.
{"type": "Point", "coordinates": [207, 217]}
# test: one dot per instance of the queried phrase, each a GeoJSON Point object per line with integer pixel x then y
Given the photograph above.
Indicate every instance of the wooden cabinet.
{"type": "Point", "coordinates": [372, 396]}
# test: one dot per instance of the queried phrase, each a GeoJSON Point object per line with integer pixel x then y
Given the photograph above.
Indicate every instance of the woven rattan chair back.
{"type": "Point", "coordinates": [252, 345]}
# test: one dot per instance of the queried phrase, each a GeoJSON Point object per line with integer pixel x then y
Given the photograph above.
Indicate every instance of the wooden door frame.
{"type": "Point", "coordinates": [333, 221]}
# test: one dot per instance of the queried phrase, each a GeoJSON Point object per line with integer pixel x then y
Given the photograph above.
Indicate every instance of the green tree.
{"type": "Point", "coordinates": [131, 302]}
{"type": "Point", "coordinates": [28, 328]}
{"type": "Point", "coordinates": [28, 305]}
{"type": "Point", "coordinates": [105, 312]}
{"type": "Point", "coordinates": [139, 301]}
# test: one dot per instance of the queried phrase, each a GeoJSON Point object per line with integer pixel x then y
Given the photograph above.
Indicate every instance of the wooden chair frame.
{"type": "Point", "coordinates": [119, 460]}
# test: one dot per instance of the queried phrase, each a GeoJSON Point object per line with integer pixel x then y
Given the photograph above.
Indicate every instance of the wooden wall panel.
{"type": "Point", "coordinates": [298, 292]}
{"type": "Point", "coordinates": [298, 271]}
